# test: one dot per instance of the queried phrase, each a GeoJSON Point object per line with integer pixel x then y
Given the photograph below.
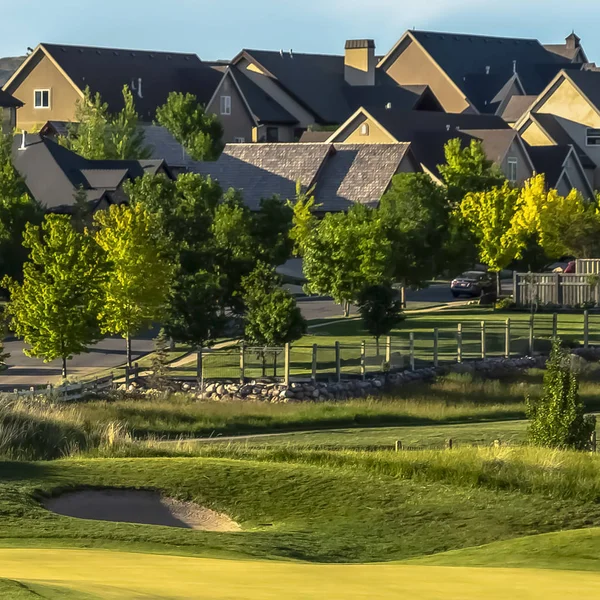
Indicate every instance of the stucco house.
{"type": "Point", "coordinates": [8, 112]}
{"type": "Point", "coordinates": [54, 76]}
{"type": "Point", "coordinates": [276, 96]}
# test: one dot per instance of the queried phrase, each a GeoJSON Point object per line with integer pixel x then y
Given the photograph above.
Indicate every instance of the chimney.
{"type": "Point", "coordinates": [573, 41]}
{"type": "Point", "coordinates": [139, 89]}
{"type": "Point", "coordinates": [359, 62]}
{"type": "Point", "coordinates": [23, 140]}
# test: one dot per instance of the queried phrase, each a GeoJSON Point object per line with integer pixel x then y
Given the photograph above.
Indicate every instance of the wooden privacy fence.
{"type": "Point", "coordinates": [471, 340]}
{"type": "Point", "coordinates": [74, 391]}
{"type": "Point", "coordinates": [560, 289]}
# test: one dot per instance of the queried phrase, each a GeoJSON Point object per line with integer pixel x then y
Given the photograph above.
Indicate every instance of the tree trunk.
{"type": "Point", "coordinates": [128, 342]}
{"type": "Point", "coordinates": [64, 367]}
{"type": "Point", "coordinates": [199, 371]}
{"type": "Point", "coordinates": [377, 345]}
{"type": "Point", "coordinates": [264, 364]}
{"type": "Point", "coordinates": [498, 284]}
{"type": "Point", "coordinates": [346, 308]}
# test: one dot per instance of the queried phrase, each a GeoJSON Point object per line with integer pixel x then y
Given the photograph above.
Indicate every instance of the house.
{"type": "Point", "coordinates": [275, 96]}
{"type": "Point", "coordinates": [54, 77]}
{"type": "Point", "coordinates": [428, 133]}
{"type": "Point", "coordinates": [342, 175]}
{"type": "Point", "coordinates": [8, 112]}
{"type": "Point", "coordinates": [53, 174]}
{"type": "Point", "coordinates": [478, 74]}
{"type": "Point", "coordinates": [567, 113]}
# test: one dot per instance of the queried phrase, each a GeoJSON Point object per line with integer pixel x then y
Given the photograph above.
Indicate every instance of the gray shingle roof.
{"type": "Point", "coordinates": [549, 160]}
{"type": "Point", "coordinates": [495, 142]}
{"type": "Point", "coordinates": [263, 170]}
{"type": "Point", "coordinates": [53, 174]}
{"type": "Point", "coordinates": [7, 101]}
{"type": "Point", "coordinates": [8, 66]}
{"type": "Point", "coordinates": [107, 70]}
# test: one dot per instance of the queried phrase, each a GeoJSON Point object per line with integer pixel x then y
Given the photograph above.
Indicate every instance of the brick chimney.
{"type": "Point", "coordinates": [359, 62]}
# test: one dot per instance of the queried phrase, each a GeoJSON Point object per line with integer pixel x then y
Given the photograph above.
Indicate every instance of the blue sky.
{"type": "Point", "coordinates": [220, 28]}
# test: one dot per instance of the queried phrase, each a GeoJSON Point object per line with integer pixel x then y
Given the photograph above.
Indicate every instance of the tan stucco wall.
{"type": "Point", "coordinates": [524, 170]}
{"type": "Point", "coordinates": [351, 133]}
{"type": "Point", "coordinates": [567, 102]}
{"type": "Point", "coordinates": [42, 74]}
{"type": "Point", "coordinates": [359, 66]}
{"type": "Point", "coordinates": [410, 65]}
{"type": "Point", "coordinates": [277, 93]}
{"type": "Point", "coordinates": [239, 123]}
{"type": "Point", "coordinates": [535, 136]}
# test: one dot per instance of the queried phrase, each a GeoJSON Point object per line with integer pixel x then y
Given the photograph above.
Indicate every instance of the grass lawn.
{"type": "Point", "coordinates": [115, 575]}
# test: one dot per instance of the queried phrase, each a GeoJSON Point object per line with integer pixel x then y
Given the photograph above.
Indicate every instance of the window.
{"type": "Point", "coordinates": [364, 129]}
{"type": "Point", "coordinates": [41, 99]}
{"type": "Point", "coordinates": [592, 137]}
{"type": "Point", "coordinates": [272, 134]}
{"type": "Point", "coordinates": [239, 140]}
{"type": "Point", "coordinates": [225, 105]}
{"type": "Point", "coordinates": [513, 163]}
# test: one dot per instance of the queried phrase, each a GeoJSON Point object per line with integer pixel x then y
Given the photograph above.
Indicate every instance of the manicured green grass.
{"type": "Point", "coordinates": [121, 576]}
{"type": "Point", "coordinates": [288, 510]}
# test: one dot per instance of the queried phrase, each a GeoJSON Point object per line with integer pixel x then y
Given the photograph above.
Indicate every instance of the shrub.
{"type": "Point", "coordinates": [557, 418]}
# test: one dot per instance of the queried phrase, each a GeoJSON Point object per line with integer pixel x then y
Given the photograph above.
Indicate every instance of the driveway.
{"type": "Point", "coordinates": [24, 372]}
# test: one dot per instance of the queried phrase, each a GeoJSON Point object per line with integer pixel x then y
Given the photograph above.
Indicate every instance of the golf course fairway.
{"type": "Point", "coordinates": [93, 574]}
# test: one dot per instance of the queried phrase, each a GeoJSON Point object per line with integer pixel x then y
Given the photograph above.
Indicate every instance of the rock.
{"type": "Point", "coordinates": [186, 387]}
{"type": "Point", "coordinates": [220, 390]}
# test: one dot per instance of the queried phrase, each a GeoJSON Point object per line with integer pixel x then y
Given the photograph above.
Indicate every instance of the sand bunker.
{"type": "Point", "coordinates": [136, 506]}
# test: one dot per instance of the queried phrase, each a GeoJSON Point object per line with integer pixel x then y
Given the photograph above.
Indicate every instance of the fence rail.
{"type": "Point", "coordinates": [560, 289]}
{"type": "Point", "coordinates": [70, 392]}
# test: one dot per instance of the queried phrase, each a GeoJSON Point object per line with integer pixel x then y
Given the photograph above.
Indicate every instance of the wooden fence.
{"type": "Point", "coordinates": [559, 289]}
{"type": "Point", "coordinates": [70, 392]}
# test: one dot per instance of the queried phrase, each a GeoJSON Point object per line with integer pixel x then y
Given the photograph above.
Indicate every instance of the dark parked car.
{"type": "Point", "coordinates": [472, 283]}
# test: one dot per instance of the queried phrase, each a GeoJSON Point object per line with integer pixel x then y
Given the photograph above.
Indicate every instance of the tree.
{"type": "Point", "coordinates": [416, 214]}
{"type": "Point", "coordinates": [304, 221]}
{"type": "Point", "coordinates": [137, 289]}
{"type": "Point", "coordinates": [380, 310]}
{"type": "Point", "coordinates": [55, 308]}
{"type": "Point", "coordinates": [96, 134]}
{"type": "Point", "coordinates": [271, 226]}
{"type": "Point", "coordinates": [489, 216]}
{"type": "Point", "coordinates": [272, 317]}
{"type": "Point", "coordinates": [198, 132]}
{"type": "Point", "coordinates": [468, 170]}
{"type": "Point", "coordinates": [557, 418]}
{"type": "Point", "coordinates": [17, 208]}
{"type": "Point", "coordinates": [160, 359]}
{"type": "Point", "coordinates": [347, 252]}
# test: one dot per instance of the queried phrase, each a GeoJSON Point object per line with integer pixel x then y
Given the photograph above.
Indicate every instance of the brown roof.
{"type": "Point", "coordinates": [495, 142]}
{"type": "Point", "coordinates": [517, 106]}
{"type": "Point", "coordinates": [314, 137]}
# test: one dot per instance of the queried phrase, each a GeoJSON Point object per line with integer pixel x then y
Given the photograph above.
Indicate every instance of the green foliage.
{"type": "Point", "coordinates": [198, 132]}
{"type": "Point", "coordinates": [55, 308]}
{"type": "Point", "coordinates": [137, 290]}
{"type": "Point", "coordinates": [416, 215]}
{"type": "Point", "coordinates": [557, 419]}
{"type": "Point", "coordinates": [303, 220]}
{"type": "Point", "coordinates": [96, 134]}
{"type": "Point", "coordinates": [272, 316]}
{"type": "Point", "coordinates": [380, 309]}
{"type": "Point", "coordinates": [271, 230]}
{"type": "Point", "coordinates": [468, 170]}
{"type": "Point", "coordinates": [160, 359]}
{"type": "Point", "coordinates": [347, 252]}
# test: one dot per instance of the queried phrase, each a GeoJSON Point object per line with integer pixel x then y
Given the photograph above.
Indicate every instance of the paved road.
{"type": "Point", "coordinates": [24, 372]}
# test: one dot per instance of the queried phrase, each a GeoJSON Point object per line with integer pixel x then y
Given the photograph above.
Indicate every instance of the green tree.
{"type": "Point", "coordinates": [346, 253]}
{"type": "Point", "coordinates": [304, 221]}
{"type": "Point", "coordinates": [55, 309]}
{"type": "Point", "coordinates": [96, 134]}
{"type": "Point", "coordinates": [160, 359]}
{"type": "Point", "coordinates": [468, 170]}
{"type": "Point", "coordinates": [137, 289]}
{"type": "Point", "coordinates": [416, 215]}
{"type": "Point", "coordinates": [198, 132]}
{"type": "Point", "coordinates": [380, 310]}
{"type": "Point", "coordinates": [490, 218]}
{"type": "Point", "coordinates": [271, 226]}
{"type": "Point", "coordinates": [272, 317]}
{"type": "Point", "coordinates": [557, 418]}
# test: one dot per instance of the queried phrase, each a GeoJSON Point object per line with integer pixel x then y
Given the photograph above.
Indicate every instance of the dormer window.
{"type": "Point", "coordinates": [225, 105]}
{"type": "Point", "coordinates": [513, 165]}
{"type": "Point", "coordinates": [364, 129]}
{"type": "Point", "coordinates": [41, 99]}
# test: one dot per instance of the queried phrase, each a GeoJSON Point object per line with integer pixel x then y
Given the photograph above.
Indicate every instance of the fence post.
{"type": "Point", "coordinates": [531, 335]}
{"type": "Point", "coordinates": [507, 339]}
{"type": "Point", "coordinates": [483, 347]}
{"type": "Point", "coordinates": [338, 362]}
{"type": "Point", "coordinates": [555, 325]}
{"type": "Point", "coordinates": [286, 354]}
{"type": "Point", "coordinates": [242, 363]}
{"type": "Point", "coordinates": [388, 351]}
{"type": "Point", "coordinates": [398, 446]}
{"type": "Point", "coordinates": [586, 329]}
{"type": "Point", "coordinates": [412, 351]}
{"type": "Point", "coordinates": [363, 360]}
{"type": "Point", "coordinates": [136, 373]}
{"type": "Point", "coordinates": [449, 444]}
{"type": "Point", "coordinates": [314, 363]}
{"type": "Point", "coordinates": [593, 443]}
{"type": "Point", "coordinates": [516, 288]}
{"type": "Point", "coordinates": [200, 369]}
{"type": "Point", "coordinates": [459, 343]}
{"type": "Point", "coordinates": [127, 376]}
{"type": "Point", "coordinates": [436, 339]}
{"type": "Point", "coordinates": [557, 288]}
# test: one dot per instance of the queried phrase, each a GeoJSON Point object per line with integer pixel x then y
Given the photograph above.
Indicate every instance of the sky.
{"type": "Point", "coordinates": [219, 29]}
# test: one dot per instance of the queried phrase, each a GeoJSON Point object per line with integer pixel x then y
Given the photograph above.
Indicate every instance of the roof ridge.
{"type": "Point", "coordinates": [112, 49]}
{"type": "Point", "coordinates": [476, 35]}
{"type": "Point", "coordinates": [286, 53]}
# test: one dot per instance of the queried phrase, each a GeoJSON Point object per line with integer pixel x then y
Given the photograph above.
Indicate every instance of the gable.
{"type": "Point", "coordinates": [362, 129]}
{"type": "Point", "coordinates": [534, 135]}
{"type": "Point", "coordinates": [565, 100]}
